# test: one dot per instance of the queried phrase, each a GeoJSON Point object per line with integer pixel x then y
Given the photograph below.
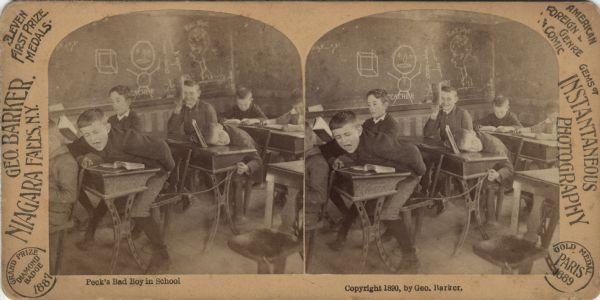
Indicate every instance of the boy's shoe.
{"type": "Point", "coordinates": [85, 244]}
{"type": "Point", "coordinates": [409, 264]}
{"type": "Point", "coordinates": [159, 264]}
{"type": "Point", "coordinates": [337, 244]}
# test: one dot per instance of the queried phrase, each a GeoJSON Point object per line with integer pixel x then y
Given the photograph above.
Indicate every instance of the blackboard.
{"type": "Point", "coordinates": [403, 56]}
{"type": "Point", "coordinates": [149, 52]}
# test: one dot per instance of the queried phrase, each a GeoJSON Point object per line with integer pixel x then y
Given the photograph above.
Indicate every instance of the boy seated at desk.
{"type": "Point", "coordinates": [447, 113]}
{"type": "Point", "coordinates": [62, 195]}
{"type": "Point", "coordinates": [292, 120]}
{"type": "Point", "coordinates": [125, 118]}
{"type": "Point", "coordinates": [367, 147]}
{"type": "Point", "coordinates": [500, 175]}
{"type": "Point", "coordinates": [502, 119]}
{"type": "Point", "coordinates": [248, 171]}
{"type": "Point", "coordinates": [100, 143]}
{"type": "Point", "coordinates": [380, 121]}
{"type": "Point", "coordinates": [190, 108]}
{"type": "Point", "coordinates": [245, 111]}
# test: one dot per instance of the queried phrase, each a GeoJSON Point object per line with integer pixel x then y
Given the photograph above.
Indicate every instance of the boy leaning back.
{"type": "Point", "coordinates": [367, 147]}
{"type": "Point", "coordinates": [100, 143]}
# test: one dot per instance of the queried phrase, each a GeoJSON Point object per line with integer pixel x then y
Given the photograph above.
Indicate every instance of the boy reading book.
{"type": "Point", "coordinates": [378, 102]}
{"type": "Point", "coordinates": [248, 170]}
{"type": "Point", "coordinates": [125, 118]}
{"type": "Point", "coordinates": [245, 111]}
{"type": "Point", "coordinates": [190, 108]}
{"type": "Point", "coordinates": [102, 144]}
{"type": "Point", "coordinates": [500, 175]}
{"type": "Point", "coordinates": [447, 113]}
{"type": "Point", "coordinates": [367, 147]}
{"type": "Point", "coordinates": [502, 119]}
{"type": "Point", "coordinates": [62, 187]}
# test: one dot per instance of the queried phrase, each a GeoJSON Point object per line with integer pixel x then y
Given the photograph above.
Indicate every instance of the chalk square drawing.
{"type": "Point", "coordinates": [106, 61]}
{"type": "Point", "coordinates": [367, 64]}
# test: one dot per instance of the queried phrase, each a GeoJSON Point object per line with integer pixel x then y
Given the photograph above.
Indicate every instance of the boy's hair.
{"type": "Point", "coordinates": [191, 83]}
{"type": "Point", "coordinates": [501, 101]}
{"type": "Point", "coordinates": [242, 92]}
{"type": "Point", "coordinates": [121, 90]}
{"type": "Point", "coordinates": [380, 94]}
{"type": "Point", "coordinates": [448, 89]}
{"type": "Point", "coordinates": [90, 116]}
{"type": "Point", "coordinates": [342, 118]}
{"type": "Point", "coordinates": [208, 132]}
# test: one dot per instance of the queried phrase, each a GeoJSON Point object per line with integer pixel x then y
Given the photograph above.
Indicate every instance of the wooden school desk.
{"type": "Point", "coordinates": [219, 163]}
{"type": "Point", "coordinates": [543, 184]}
{"type": "Point", "coordinates": [291, 175]}
{"type": "Point", "coordinates": [109, 185]}
{"type": "Point", "coordinates": [543, 152]}
{"type": "Point", "coordinates": [290, 142]}
{"type": "Point", "coordinates": [361, 187]}
{"type": "Point", "coordinates": [466, 167]}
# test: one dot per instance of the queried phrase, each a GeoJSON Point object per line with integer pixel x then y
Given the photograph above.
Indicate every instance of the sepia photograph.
{"type": "Point", "coordinates": [176, 146]}
{"type": "Point", "coordinates": [431, 146]}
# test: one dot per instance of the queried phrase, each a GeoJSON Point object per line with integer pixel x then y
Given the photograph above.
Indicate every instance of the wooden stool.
{"type": "Point", "coordinates": [269, 248]}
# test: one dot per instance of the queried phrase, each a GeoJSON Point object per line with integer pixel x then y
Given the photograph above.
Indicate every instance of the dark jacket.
{"type": "Point", "coordinates": [132, 121]}
{"type": "Point", "coordinates": [241, 138]}
{"type": "Point", "coordinates": [388, 125]}
{"type": "Point", "coordinates": [381, 149]}
{"type": "Point", "coordinates": [129, 146]}
{"type": "Point", "coordinates": [510, 119]}
{"type": "Point", "coordinates": [202, 112]}
{"type": "Point", "coordinates": [492, 144]}
{"type": "Point", "coordinates": [63, 171]}
{"type": "Point", "coordinates": [457, 119]}
{"type": "Point", "coordinates": [316, 180]}
{"type": "Point", "coordinates": [253, 112]}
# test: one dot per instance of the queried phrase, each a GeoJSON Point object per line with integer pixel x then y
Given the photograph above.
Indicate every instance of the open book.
{"type": "Point", "coordinates": [67, 128]}
{"type": "Point", "coordinates": [123, 164]}
{"type": "Point", "coordinates": [322, 130]}
{"type": "Point", "coordinates": [374, 168]}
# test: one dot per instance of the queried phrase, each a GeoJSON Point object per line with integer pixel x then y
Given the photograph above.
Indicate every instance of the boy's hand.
{"type": "Point", "coordinates": [524, 130]}
{"type": "Point", "coordinates": [250, 121]}
{"type": "Point", "coordinates": [493, 175]}
{"type": "Point", "coordinates": [242, 168]}
{"type": "Point", "coordinates": [89, 160]}
{"type": "Point", "coordinates": [86, 162]}
{"type": "Point", "coordinates": [232, 121]}
{"type": "Point", "coordinates": [488, 128]}
{"type": "Point", "coordinates": [435, 110]}
{"type": "Point", "coordinates": [506, 128]}
{"type": "Point", "coordinates": [337, 164]}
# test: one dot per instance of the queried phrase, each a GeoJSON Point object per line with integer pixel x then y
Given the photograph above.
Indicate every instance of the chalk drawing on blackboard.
{"type": "Point", "coordinates": [461, 49]}
{"type": "Point", "coordinates": [199, 42]}
{"type": "Point", "coordinates": [433, 69]}
{"type": "Point", "coordinates": [171, 57]}
{"type": "Point", "coordinates": [404, 61]}
{"type": "Point", "coordinates": [326, 46]}
{"type": "Point", "coordinates": [106, 61]}
{"type": "Point", "coordinates": [367, 64]}
{"type": "Point", "coordinates": [143, 57]}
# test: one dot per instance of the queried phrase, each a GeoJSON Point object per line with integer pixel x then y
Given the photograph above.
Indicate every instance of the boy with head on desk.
{"type": "Point", "coordinates": [100, 143]}
{"type": "Point", "coordinates": [368, 147]}
{"type": "Point", "coordinates": [292, 120]}
{"type": "Point", "coordinates": [502, 119]}
{"type": "Point", "coordinates": [190, 108]}
{"type": "Point", "coordinates": [245, 111]}
{"type": "Point", "coordinates": [447, 113]}
{"type": "Point", "coordinates": [501, 175]}
{"type": "Point", "coordinates": [248, 171]}
{"type": "Point", "coordinates": [380, 121]}
{"type": "Point", "coordinates": [125, 118]}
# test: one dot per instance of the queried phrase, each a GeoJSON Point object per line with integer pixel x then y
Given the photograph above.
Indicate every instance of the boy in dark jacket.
{"type": "Point", "coordinates": [447, 113]}
{"type": "Point", "coordinates": [100, 143]}
{"type": "Point", "coordinates": [190, 108]}
{"type": "Point", "coordinates": [125, 118]}
{"type": "Point", "coordinates": [367, 147]}
{"type": "Point", "coordinates": [248, 171]}
{"type": "Point", "coordinates": [502, 119]}
{"type": "Point", "coordinates": [245, 111]}
{"type": "Point", "coordinates": [501, 174]}
{"type": "Point", "coordinates": [380, 121]}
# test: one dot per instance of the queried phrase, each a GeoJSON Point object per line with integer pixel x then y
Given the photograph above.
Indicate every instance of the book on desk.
{"type": "Point", "coordinates": [108, 179]}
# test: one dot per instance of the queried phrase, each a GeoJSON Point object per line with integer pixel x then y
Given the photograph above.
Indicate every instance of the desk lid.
{"type": "Point", "coordinates": [110, 172]}
{"type": "Point", "coordinates": [296, 166]}
{"type": "Point", "coordinates": [358, 174]}
{"type": "Point", "coordinates": [222, 150]}
{"type": "Point", "coordinates": [544, 175]}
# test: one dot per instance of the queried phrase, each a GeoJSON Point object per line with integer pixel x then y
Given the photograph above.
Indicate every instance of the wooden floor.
{"type": "Point", "coordinates": [435, 245]}
{"type": "Point", "coordinates": [185, 244]}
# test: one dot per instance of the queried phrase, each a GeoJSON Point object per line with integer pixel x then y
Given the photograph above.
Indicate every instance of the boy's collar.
{"type": "Point", "coordinates": [377, 120]}
{"type": "Point", "coordinates": [125, 115]}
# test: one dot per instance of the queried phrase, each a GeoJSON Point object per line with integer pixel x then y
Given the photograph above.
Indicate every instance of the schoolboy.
{"type": "Point", "coordinates": [502, 119]}
{"type": "Point", "coordinates": [367, 147]}
{"type": "Point", "coordinates": [501, 174]}
{"type": "Point", "coordinates": [248, 170]}
{"type": "Point", "coordinates": [101, 143]}
{"type": "Point", "coordinates": [380, 121]}
{"type": "Point", "coordinates": [245, 111]}
{"type": "Point", "coordinates": [124, 118]}
{"type": "Point", "coordinates": [190, 108]}
{"type": "Point", "coordinates": [447, 113]}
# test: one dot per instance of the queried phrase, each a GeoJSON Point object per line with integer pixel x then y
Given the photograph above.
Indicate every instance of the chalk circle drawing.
{"type": "Point", "coordinates": [143, 57]}
{"type": "Point", "coordinates": [199, 42]}
{"type": "Point", "coordinates": [404, 61]}
{"type": "Point", "coordinates": [367, 64]}
{"type": "Point", "coordinates": [106, 61]}
{"type": "Point", "coordinates": [462, 53]}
